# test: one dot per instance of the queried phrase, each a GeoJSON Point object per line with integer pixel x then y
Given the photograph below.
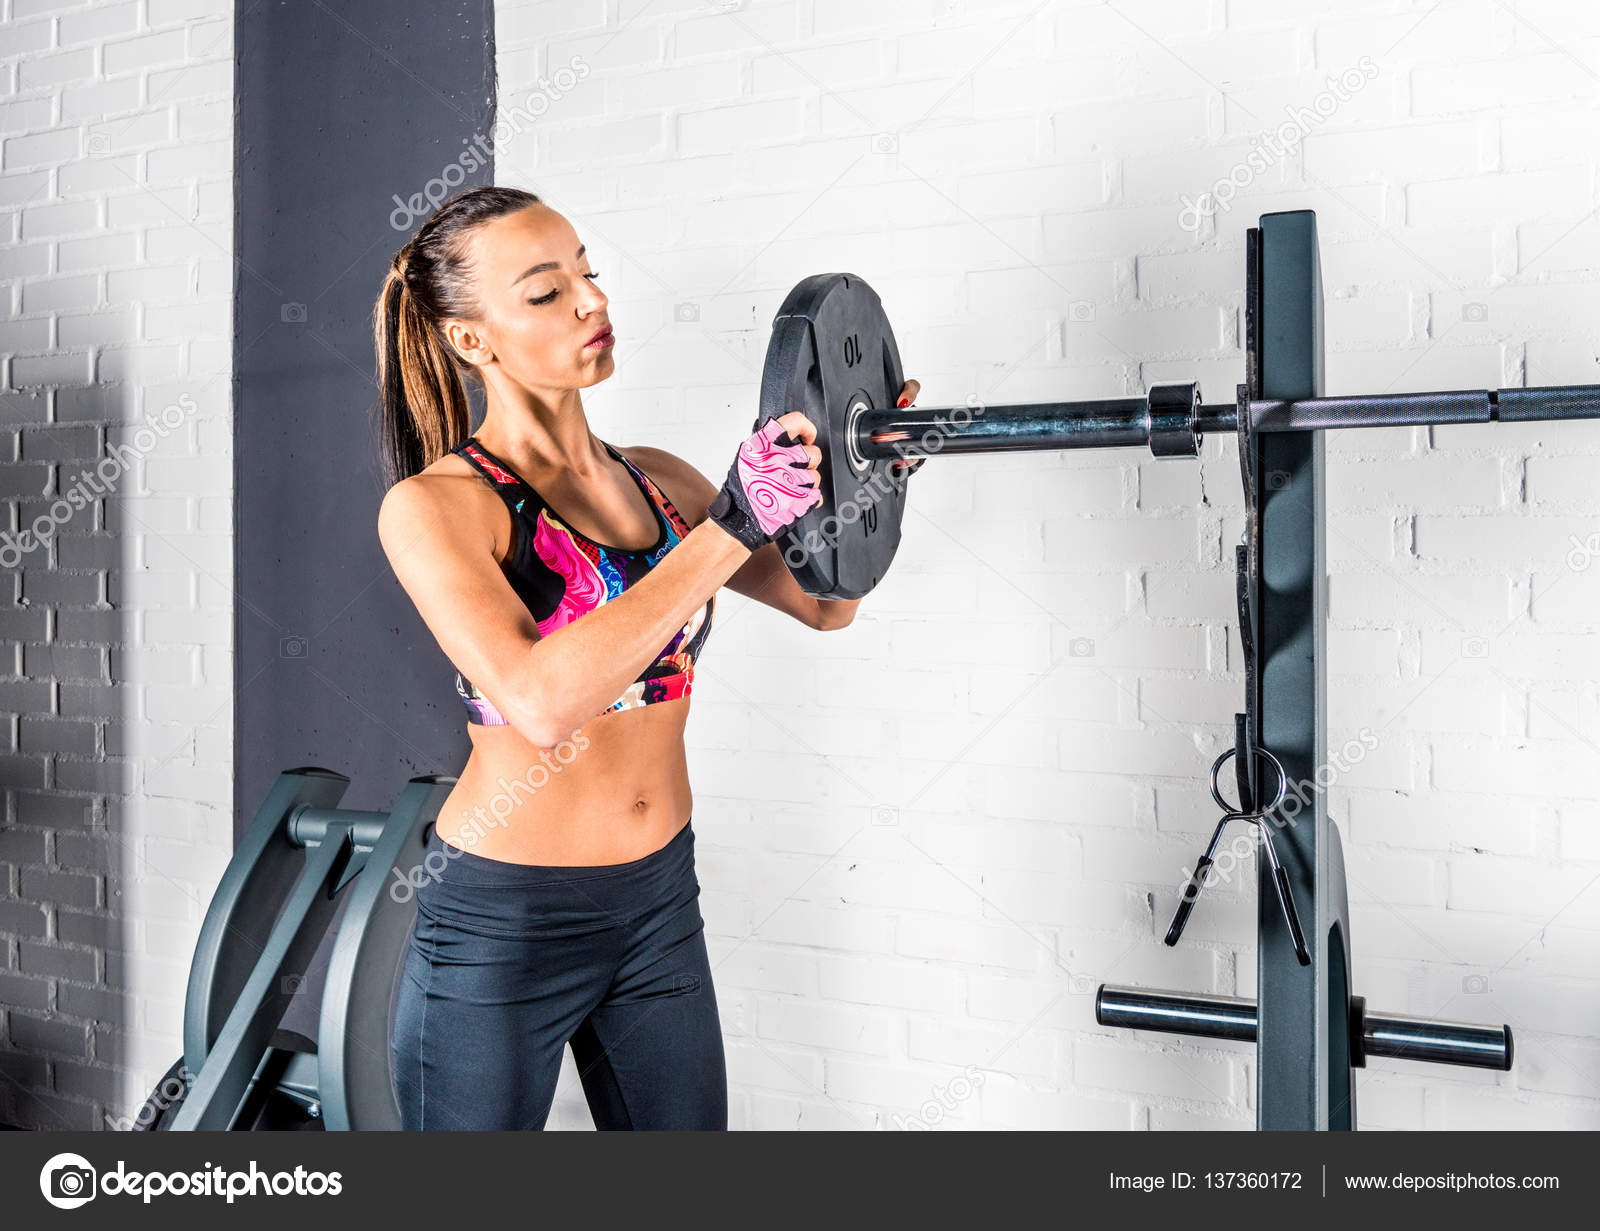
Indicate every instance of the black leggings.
{"type": "Point", "coordinates": [510, 962]}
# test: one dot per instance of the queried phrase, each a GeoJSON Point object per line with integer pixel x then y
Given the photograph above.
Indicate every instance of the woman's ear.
{"type": "Point", "coordinates": [465, 339]}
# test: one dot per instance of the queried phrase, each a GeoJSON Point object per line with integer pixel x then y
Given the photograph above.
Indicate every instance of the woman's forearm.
{"type": "Point", "coordinates": [573, 674]}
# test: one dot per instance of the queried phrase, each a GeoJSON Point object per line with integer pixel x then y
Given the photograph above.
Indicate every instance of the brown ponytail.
{"type": "Point", "coordinates": [423, 407]}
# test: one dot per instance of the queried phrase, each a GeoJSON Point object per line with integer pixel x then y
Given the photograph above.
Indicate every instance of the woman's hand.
{"type": "Point", "coordinates": [903, 466]}
{"type": "Point", "coordinates": [772, 482]}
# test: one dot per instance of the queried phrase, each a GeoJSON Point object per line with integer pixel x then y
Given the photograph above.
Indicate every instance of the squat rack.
{"type": "Point", "coordinates": [1310, 1031]}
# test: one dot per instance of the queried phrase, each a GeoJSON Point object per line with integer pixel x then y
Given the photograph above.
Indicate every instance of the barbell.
{"type": "Point", "coordinates": [833, 356]}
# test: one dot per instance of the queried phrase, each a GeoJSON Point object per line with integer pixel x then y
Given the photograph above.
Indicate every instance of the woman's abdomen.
{"type": "Point", "coordinates": [614, 791]}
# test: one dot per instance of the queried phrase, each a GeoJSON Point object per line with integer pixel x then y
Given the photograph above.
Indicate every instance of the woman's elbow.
{"type": "Point", "coordinates": [539, 723]}
{"type": "Point", "coordinates": [545, 734]}
{"type": "Point", "coordinates": [834, 614]}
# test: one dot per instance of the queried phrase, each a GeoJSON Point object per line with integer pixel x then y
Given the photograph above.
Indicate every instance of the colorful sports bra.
{"type": "Point", "coordinates": [560, 575]}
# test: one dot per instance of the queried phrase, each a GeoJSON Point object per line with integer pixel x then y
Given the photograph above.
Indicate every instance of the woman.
{"type": "Point", "coordinates": [553, 568]}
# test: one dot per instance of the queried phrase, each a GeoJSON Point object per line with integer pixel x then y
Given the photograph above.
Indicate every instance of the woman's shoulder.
{"type": "Point", "coordinates": [438, 480]}
{"type": "Point", "coordinates": [447, 488]}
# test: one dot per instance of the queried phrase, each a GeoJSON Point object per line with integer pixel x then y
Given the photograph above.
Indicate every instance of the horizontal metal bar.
{"type": "Point", "coordinates": [1138, 1008]}
{"type": "Point", "coordinates": [1385, 410]}
{"type": "Point", "coordinates": [1111, 423]}
{"type": "Point", "coordinates": [1402, 1038]}
{"type": "Point", "coordinates": [1106, 424]}
{"type": "Point", "coordinates": [1233, 1017]}
{"type": "Point", "coordinates": [1547, 402]}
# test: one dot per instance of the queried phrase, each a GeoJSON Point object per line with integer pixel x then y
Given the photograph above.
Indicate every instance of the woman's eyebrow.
{"type": "Point", "coordinates": [539, 269]}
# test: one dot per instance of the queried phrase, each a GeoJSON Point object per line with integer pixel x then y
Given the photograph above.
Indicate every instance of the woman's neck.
{"type": "Point", "coordinates": [537, 438]}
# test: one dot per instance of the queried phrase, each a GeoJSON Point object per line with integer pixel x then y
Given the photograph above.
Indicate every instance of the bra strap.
{"type": "Point", "coordinates": [480, 460]}
{"type": "Point", "coordinates": [657, 497]}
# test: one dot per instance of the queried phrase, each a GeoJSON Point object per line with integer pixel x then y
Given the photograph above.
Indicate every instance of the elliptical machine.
{"type": "Point", "coordinates": [301, 858]}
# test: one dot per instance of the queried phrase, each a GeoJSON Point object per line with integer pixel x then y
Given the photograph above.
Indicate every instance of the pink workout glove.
{"type": "Point", "coordinates": [768, 487]}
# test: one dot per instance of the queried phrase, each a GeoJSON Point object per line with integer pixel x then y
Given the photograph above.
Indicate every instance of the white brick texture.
{"type": "Point", "coordinates": [116, 617]}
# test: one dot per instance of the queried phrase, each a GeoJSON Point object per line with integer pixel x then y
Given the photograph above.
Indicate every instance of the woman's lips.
{"type": "Point", "coordinates": [603, 339]}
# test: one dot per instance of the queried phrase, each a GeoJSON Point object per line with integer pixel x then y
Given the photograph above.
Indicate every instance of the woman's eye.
{"type": "Point", "coordinates": [547, 298]}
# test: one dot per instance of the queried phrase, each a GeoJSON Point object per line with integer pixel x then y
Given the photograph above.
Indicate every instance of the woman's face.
{"type": "Point", "coordinates": [540, 307]}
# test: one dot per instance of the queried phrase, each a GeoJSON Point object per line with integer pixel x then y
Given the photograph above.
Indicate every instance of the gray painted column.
{"type": "Point", "coordinates": [341, 107]}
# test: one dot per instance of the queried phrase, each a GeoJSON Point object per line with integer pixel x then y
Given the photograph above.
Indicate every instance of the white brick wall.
{"type": "Point", "coordinates": [116, 175]}
{"type": "Point", "coordinates": [929, 860]}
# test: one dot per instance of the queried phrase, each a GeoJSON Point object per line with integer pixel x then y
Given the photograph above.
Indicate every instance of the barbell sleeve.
{"type": "Point", "coordinates": [1107, 423]}
{"type": "Point", "coordinates": [1167, 419]}
{"type": "Point", "coordinates": [1372, 1034]}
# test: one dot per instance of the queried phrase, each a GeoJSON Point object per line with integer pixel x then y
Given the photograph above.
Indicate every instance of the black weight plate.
{"type": "Point", "coordinates": [833, 354]}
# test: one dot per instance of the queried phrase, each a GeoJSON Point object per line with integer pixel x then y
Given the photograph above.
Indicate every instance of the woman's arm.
{"type": "Point", "coordinates": [547, 687]}
{"type": "Point", "coordinates": [763, 575]}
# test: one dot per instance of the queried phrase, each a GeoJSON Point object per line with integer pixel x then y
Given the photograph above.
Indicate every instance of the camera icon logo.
{"type": "Point", "coordinates": [67, 1181]}
{"type": "Point", "coordinates": [1475, 313]}
{"type": "Point", "coordinates": [1080, 312]}
{"type": "Point", "coordinates": [1081, 647]}
{"type": "Point", "coordinates": [292, 647]}
{"type": "Point", "coordinates": [883, 815]}
{"type": "Point", "coordinates": [291, 984]}
{"type": "Point", "coordinates": [686, 312]}
{"type": "Point", "coordinates": [292, 314]}
{"type": "Point", "coordinates": [885, 143]}
{"type": "Point", "coordinates": [1474, 647]}
{"type": "Point", "coordinates": [100, 143]}
{"type": "Point", "coordinates": [1277, 480]}
{"type": "Point", "coordinates": [1475, 985]}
